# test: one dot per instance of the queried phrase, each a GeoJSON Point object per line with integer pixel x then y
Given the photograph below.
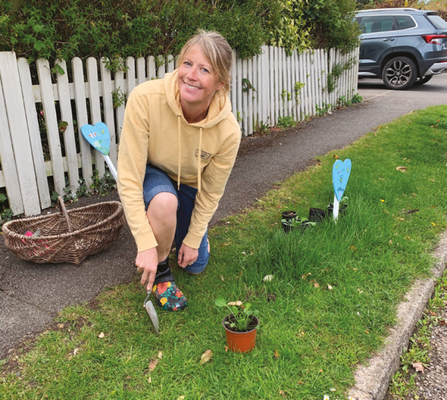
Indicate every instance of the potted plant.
{"type": "Point", "coordinates": [317, 214]}
{"type": "Point", "coordinates": [289, 224]}
{"type": "Point", "coordinates": [288, 215]}
{"type": "Point", "coordinates": [343, 205]}
{"type": "Point", "coordinates": [296, 223]}
{"type": "Point", "coordinates": [240, 325]}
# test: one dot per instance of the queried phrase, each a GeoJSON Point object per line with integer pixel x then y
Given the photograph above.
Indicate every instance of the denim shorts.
{"type": "Point", "coordinates": [157, 181]}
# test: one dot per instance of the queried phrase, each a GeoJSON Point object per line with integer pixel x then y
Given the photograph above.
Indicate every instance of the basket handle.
{"type": "Point", "coordinates": [64, 212]}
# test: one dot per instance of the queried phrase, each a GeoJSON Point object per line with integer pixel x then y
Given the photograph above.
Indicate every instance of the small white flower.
{"type": "Point", "coordinates": [326, 397]}
{"type": "Point", "coordinates": [268, 278]}
{"type": "Point", "coordinates": [333, 389]}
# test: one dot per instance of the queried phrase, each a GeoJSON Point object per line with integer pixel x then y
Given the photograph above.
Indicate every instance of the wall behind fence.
{"type": "Point", "coordinates": [39, 155]}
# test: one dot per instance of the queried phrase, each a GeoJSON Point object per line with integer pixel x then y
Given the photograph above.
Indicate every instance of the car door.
{"type": "Point", "coordinates": [377, 39]}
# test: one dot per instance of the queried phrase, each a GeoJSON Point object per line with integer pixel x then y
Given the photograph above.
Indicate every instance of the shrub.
{"type": "Point", "coordinates": [121, 28]}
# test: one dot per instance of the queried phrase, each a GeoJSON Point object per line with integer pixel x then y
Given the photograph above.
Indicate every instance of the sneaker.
{"type": "Point", "coordinates": [168, 296]}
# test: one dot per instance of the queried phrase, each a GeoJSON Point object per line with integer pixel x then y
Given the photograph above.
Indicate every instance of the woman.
{"type": "Point", "coordinates": [177, 149]}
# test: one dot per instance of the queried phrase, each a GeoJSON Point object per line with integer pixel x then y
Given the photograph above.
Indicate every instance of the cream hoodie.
{"type": "Point", "coordinates": [156, 132]}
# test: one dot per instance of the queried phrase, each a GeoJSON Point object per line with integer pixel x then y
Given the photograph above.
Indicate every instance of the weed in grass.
{"type": "Point", "coordinates": [329, 305]}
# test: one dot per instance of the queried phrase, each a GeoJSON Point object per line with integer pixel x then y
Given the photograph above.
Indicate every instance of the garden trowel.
{"type": "Point", "coordinates": [151, 312]}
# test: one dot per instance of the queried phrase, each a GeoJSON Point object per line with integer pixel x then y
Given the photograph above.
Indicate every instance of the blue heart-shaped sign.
{"type": "Point", "coordinates": [340, 175]}
{"type": "Point", "coordinates": [98, 136]}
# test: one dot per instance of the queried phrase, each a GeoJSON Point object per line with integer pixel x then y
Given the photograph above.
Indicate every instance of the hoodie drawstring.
{"type": "Point", "coordinates": [199, 163]}
{"type": "Point", "coordinates": [199, 156]}
{"type": "Point", "coordinates": [179, 129]}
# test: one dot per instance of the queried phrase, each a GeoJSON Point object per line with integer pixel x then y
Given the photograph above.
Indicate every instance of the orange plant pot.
{"type": "Point", "coordinates": [241, 342]}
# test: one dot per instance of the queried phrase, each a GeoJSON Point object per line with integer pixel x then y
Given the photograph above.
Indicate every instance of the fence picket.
{"type": "Point", "coordinates": [9, 171]}
{"type": "Point", "coordinates": [34, 132]}
{"type": "Point", "coordinates": [68, 134]}
{"type": "Point", "coordinates": [95, 107]}
{"type": "Point", "coordinates": [82, 119]}
{"type": "Point", "coordinates": [107, 102]}
{"type": "Point", "coordinates": [52, 126]}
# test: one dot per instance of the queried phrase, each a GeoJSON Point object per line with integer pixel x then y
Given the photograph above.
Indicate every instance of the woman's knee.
{"type": "Point", "coordinates": [163, 205]}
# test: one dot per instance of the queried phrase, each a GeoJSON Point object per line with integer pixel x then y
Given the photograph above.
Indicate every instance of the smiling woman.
{"type": "Point", "coordinates": [177, 149]}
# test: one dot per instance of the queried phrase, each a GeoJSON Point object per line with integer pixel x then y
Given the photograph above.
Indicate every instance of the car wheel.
{"type": "Point", "coordinates": [421, 81]}
{"type": "Point", "coordinates": [399, 73]}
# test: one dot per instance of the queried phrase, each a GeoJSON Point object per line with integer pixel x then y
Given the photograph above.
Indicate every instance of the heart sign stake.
{"type": "Point", "coordinates": [99, 137]}
{"type": "Point", "coordinates": [340, 176]}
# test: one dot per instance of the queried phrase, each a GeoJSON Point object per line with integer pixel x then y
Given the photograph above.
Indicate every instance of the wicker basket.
{"type": "Point", "coordinates": [66, 237]}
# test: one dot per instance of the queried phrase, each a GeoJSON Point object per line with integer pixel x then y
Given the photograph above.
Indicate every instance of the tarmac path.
{"type": "Point", "coordinates": [31, 295]}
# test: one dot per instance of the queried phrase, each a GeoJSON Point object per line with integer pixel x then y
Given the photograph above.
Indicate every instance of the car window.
{"type": "Point", "coordinates": [405, 22]}
{"type": "Point", "coordinates": [376, 24]}
{"type": "Point", "coordinates": [437, 21]}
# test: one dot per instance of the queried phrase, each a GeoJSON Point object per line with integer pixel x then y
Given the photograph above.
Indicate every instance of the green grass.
{"type": "Point", "coordinates": [330, 304]}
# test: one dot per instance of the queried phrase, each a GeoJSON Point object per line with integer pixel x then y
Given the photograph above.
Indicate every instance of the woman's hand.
{"type": "Point", "coordinates": [147, 261]}
{"type": "Point", "coordinates": [187, 256]}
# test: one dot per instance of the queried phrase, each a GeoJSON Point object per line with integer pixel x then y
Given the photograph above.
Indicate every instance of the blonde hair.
{"type": "Point", "coordinates": [218, 52]}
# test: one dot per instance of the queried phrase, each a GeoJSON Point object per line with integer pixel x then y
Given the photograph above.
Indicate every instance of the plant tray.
{"type": "Point", "coordinates": [65, 237]}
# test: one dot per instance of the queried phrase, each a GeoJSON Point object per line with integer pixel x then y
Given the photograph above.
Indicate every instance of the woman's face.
{"type": "Point", "coordinates": [196, 80]}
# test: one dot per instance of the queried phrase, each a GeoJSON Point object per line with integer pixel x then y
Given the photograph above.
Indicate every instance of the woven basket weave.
{"type": "Point", "coordinates": [70, 236]}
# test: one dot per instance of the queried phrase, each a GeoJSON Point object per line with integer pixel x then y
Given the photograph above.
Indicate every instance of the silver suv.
{"type": "Point", "coordinates": [402, 46]}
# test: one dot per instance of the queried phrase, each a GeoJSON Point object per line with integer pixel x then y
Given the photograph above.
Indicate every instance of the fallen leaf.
{"type": "Point", "coordinates": [149, 380]}
{"type": "Point", "coordinates": [226, 349]}
{"type": "Point", "coordinates": [412, 211]}
{"type": "Point", "coordinates": [160, 355]}
{"type": "Point", "coordinates": [306, 275]}
{"type": "Point", "coordinates": [329, 287]}
{"type": "Point", "coordinates": [418, 367]}
{"type": "Point", "coordinates": [221, 277]}
{"type": "Point", "coordinates": [282, 393]}
{"type": "Point", "coordinates": [353, 248]}
{"type": "Point", "coordinates": [101, 335]}
{"type": "Point", "coordinates": [401, 219]}
{"type": "Point", "coordinates": [206, 357]}
{"type": "Point", "coordinates": [226, 244]}
{"type": "Point", "coordinates": [268, 278]}
{"type": "Point", "coordinates": [153, 364]}
{"type": "Point", "coordinates": [75, 351]}
{"type": "Point", "coordinates": [402, 169]}
{"type": "Point", "coordinates": [235, 303]}
{"type": "Point", "coordinates": [336, 157]}
{"type": "Point", "coordinates": [276, 353]}
{"type": "Point", "coordinates": [300, 383]}
{"type": "Point", "coordinates": [60, 326]}
{"type": "Point", "coordinates": [181, 398]}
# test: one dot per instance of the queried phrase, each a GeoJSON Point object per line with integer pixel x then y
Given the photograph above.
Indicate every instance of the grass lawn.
{"type": "Point", "coordinates": [332, 299]}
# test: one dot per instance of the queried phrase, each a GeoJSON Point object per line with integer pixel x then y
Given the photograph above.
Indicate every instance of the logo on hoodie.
{"type": "Point", "coordinates": [204, 155]}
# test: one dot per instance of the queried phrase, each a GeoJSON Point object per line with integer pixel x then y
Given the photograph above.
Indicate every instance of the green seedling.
{"type": "Point", "coordinates": [242, 313]}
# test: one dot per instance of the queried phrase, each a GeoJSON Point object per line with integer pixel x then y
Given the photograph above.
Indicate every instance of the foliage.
{"type": "Point", "coordinates": [335, 73]}
{"type": "Point", "coordinates": [118, 29]}
{"type": "Point", "coordinates": [323, 110]}
{"type": "Point", "coordinates": [417, 358]}
{"type": "Point", "coordinates": [5, 212]}
{"type": "Point", "coordinates": [317, 24]}
{"type": "Point", "coordinates": [286, 122]}
{"type": "Point", "coordinates": [241, 312]}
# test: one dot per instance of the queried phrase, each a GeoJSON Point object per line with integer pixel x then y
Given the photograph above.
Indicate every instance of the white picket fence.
{"type": "Point", "coordinates": [264, 89]}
